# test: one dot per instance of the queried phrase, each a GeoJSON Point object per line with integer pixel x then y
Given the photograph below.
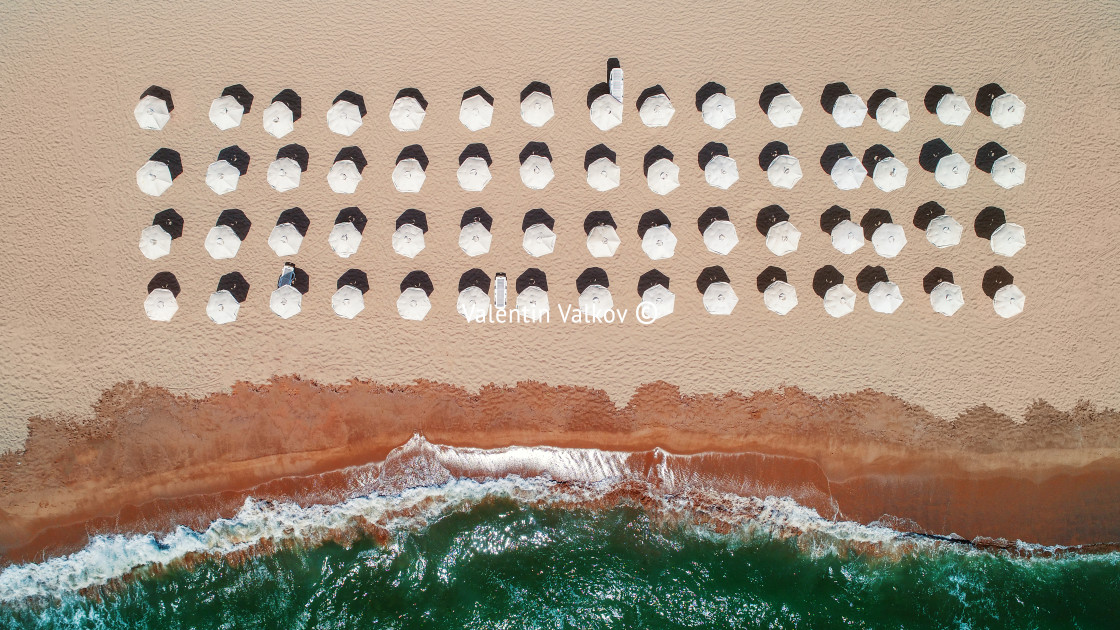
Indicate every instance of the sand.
{"type": "Point", "coordinates": [72, 213]}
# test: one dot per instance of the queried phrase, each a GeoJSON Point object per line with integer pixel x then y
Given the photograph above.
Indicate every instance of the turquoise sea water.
{"type": "Point", "coordinates": [503, 563]}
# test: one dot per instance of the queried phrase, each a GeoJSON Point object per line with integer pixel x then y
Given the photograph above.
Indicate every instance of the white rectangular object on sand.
{"type": "Point", "coordinates": [500, 290]}
{"type": "Point", "coordinates": [616, 84]}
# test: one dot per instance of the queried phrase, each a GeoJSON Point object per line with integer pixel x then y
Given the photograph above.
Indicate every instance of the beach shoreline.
{"type": "Point", "coordinates": [148, 460]}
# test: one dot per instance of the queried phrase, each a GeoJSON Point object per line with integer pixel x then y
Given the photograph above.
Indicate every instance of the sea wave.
{"type": "Point", "coordinates": [419, 482]}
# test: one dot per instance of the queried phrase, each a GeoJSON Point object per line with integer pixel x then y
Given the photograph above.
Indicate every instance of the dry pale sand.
{"type": "Point", "coordinates": [74, 281]}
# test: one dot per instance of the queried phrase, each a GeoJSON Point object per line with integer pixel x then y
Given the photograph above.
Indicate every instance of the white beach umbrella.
{"type": "Point", "coordinates": [888, 240]}
{"type": "Point", "coordinates": [884, 297]}
{"type": "Point", "coordinates": [848, 173]}
{"type": "Point", "coordinates": [285, 240]}
{"type": "Point", "coordinates": [953, 109]}
{"type": "Point", "coordinates": [155, 242]}
{"type": "Point", "coordinates": [278, 120]}
{"type": "Point", "coordinates": [474, 239]}
{"type": "Point", "coordinates": [606, 112]}
{"type": "Point", "coordinates": [154, 178]}
{"type": "Point", "coordinates": [161, 305]}
{"type": "Point", "coordinates": [1008, 239]}
{"type": "Point", "coordinates": [222, 177]}
{"type": "Point", "coordinates": [890, 174]}
{"type": "Point", "coordinates": [475, 113]}
{"type": "Point", "coordinates": [536, 172]}
{"type": "Point", "coordinates": [344, 177]}
{"type": "Point", "coordinates": [413, 304]}
{"type": "Point", "coordinates": [718, 110]}
{"type": "Point", "coordinates": [348, 301]}
{"type": "Point", "coordinates": [222, 307]}
{"type": "Point", "coordinates": [847, 237]}
{"type": "Point", "coordinates": [537, 109]}
{"type": "Point", "coordinates": [952, 171]}
{"type": "Point", "coordinates": [407, 114]}
{"type": "Point", "coordinates": [720, 298]}
{"type": "Point", "coordinates": [657, 302]}
{"type": "Point", "coordinates": [344, 118]}
{"type": "Point", "coordinates": [782, 238]}
{"type": "Point", "coordinates": [659, 242]}
{"type": "Point", "coordinates": [603, 174]}
{"type": "Point", "coordinates": [151, 113]}
{"type": "Point", "coordinates": [839, 300]}
{"type": "Point", "coordinates": [784, 171]}
{"type": "Point", "coordinates": [286, 301]}
{"type": "Point", "coordinates": [408, 176]}
{"type": "Point", "coordinates": [849, 111]}
{"type": "Point", "coordinates": [946, 298]}
{"type": "Point", "coordinates": [893, 114]}
{"type": "Point", "coordinates": [473, 303]}
{"type": "Point", "coordinates": [720, 237]}
{"type": "Point", "coordinates": [284, 174]}
{"type": "Point", "coordinates": [1009, 171]}
{"type": "Point", "coordinates": [656, 111]}
{"type": "Point", "coordinates": [603, 241]}
{"type": "Point", "coordinates": [344, 239]}
{"type": "Point", "coordinates": [663, 176]}
{"type": "Point", "coordinates": [532, 303]}
{"type": "Point", "coordinates": [226, 112]}
{"type": "Point", "coordinates": [780, 297]}
{"type": "Point", "coordinates": [222, 242]}
{"type": "Point", "coordinates": [784, 111]}
{"type": "Point", "coordinates": [595, 300]}
{"type": "Point", "coordinates": [538, 240]}
{"type": "Point", "coordinates": [944, 231]}
{"type": "Point", "coordinates": [721, 172]}
{"type": "Point", "coordinates": [1008, 110]}
{"type": "Point", "coordinates": [1008, 301]}
{"type": "Point", "coordinates": [408, 240]}
{"type": "Point", "coordinates": [473, 174]}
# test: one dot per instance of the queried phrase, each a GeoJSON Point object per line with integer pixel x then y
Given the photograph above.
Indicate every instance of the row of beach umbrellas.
{"type": "Point", "coordinates": [605, 104]}
{"type": "Point", "coordinates": [655, 230]}
{"type": "Point", "coordinates": [783, 170]}
{"type": "Point", "coordinates": [595, 299]}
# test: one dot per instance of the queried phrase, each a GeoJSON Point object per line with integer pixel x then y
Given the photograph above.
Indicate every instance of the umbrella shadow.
{"type": "Point", "coordinates": [531, 277]}
{"type": "Point", "coordinates": [986, 95]}
{"type": "Point", "coordinates": [479, 91]}
{"type": "Point", "coordinates": [236, 284]}
{"type": "Point", "coordinates": [988, 220]}
{"type": "Point", "coordinates": [289, 97]}
{"type": "Point", "coordinates": [170, 221]}
{"type": "Point", "coordinates": [612, 63]}
{"type": "Point", "coordinates": [478, 150]}
{"type": "Point", "coordinates": [295, 152]}
{"type": "Point", "coordinates": [995, 279]}
{"type": "Point", "coordinates": [931, 154]}
{"type": "Point", "coordinates": [164, 280]}
{"type": "Point", "coordinates": [236, 221]}
{"type": "Point", "coordinates": [162, 93]}
{"type": "Point", "coordinates": [770, 152]}
{"type": "Point", "coordinates": [770, 216]}
{"type": "Point", "coordinates": [832, 217]}
{"type": "Point", "coordinates": [877, 98]}
{"type": "Point", "coordinates": [476, 214]}
{"type": "Point", "coordinates": [300, 280]}
{"type": "Point", "coordinates": [710, 216]}
{"type": "Point", "coordinates": [875, 154]}
{"type": "Point", "coordinates": [926, 213]}
{"type": "Point", "coordinates": [536, 86]}
{"type": "Point", "coordinates": [297, 217]}
{"type": "Point", "coordinates": [534, 148]}
{"type": "Point", "coordinates": [769, 93]}
{"type": "Point", "coordinates": [414, 152]}
{"type": "Point", "coordinates": [987, 155]}
{"type": "Point", "coordinates": [825, 278]}
{"type": "Point", "coordinates": [650, 219]}
{"type": "Point", "coordinates": [352, 97]}
{"type": "Point", "coordinates": [354, 154]}
{"type": "Point", "coordinates": [474, 278]}
{"type": "Point", "coordinates": [831, 93]}
{"type": "Point", "coordinates": [936, 276]}
{"type": "Point", "coordinates": [769, 276]}
{"type": "Point", "coordinates": [243, 97]}
{"type": "Point", "coordinates": [236, 156]}
{"type": "Point", "coordinates": [709, 276]}
{"type": "Point", "coordinates": [355, 278]}
{"type": "Point", "coordinates": [648, 92]}
{"type": "Point", "coordinates": [869, 276]}
{"type": "Point", "coordinates": [412, 216]}
{"type": "Point", "coordinates": [832, 154]}
{"type": "Point", "coordinates": [417, 280]}
{"type": "Point", "coordinates": [871, 221]}
{"type": "Point", "coordinates": [596, 152]}
{"type": "Point", "coordinates": [535, 216]}
{"type": "Point", "coordinates": [650, 279]}
{"type": "Point", "coordinates": [656, 153]}
{"type": "Point", "coordinates": [413, 93]}
{"type": "Point", "coordinates": [590, 276]}
{"type": "Point", "coordinates": [353, 215]}
{"type": "Point", "coordinates": [596, 218]}
{"type": "Point", "coordinates": [171, 158]}
{"type": "Point", "coordinates": [709, 151]}
{"type": "Point", "coordinates": [934, 96]}
{"type": "Point", "coordinates": [706, 91]}
{"type": "Point", "coordinates": [597, 90]}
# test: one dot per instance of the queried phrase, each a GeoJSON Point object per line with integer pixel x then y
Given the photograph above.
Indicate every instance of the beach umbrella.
{"type": "Point", "coordinates": [408, 110]}
{"type": "Point", "coordinates": [345, 238]}
{"type": "Point", "coordinates": [476, 109]}
{"type": "Point", "coordinates": [784, 111]}
{"type": "Point", "coordinates": [782, 238]}
{"type": "Point", "coordinates": [595, 300]}
{"type": "Point", "coordinates": [659, 242]}
{"type": "Point", "coordinates": [606, 112]}
{"type": "Point", "coordinates": [720, 298]}
{"type": "Point", "coordinates": [847, 237]}
{"type": "Point", "coordinates": [1008, 110]}
{"type": "Point", "coordinates": [286, 301]}
{"type": "Point", "coordinates": [161, 305]}
{"type": "Point", "coordinates": [603, 241]}
{"type": "Point", "coordinates": [893, 114]}
{"type": "Point", "coordinates": [284, 174]}
{"type": "Point", "coordinates": [344, 177]}
{"type": "Point", "coordinates": [169, 222]}
{"type": "Point", "coordinates": [884, 297]}
{"type": "Point", "coordinates": [718, 110]}
{"type": "Point", "coordinates": [158, 173]}
{"type": "Point", "coordinates": [780, 297]}
{"type": "Point", "coordinates": [473, 303]}
{"type": "Point", "coordinates": [946, 298]}
{"type": "Point", "coordinates": [849, 111]}
{"type": "Point", "coordinates": [285, 240]}
{"type": "Point", "coordinates": [953, 109]}
{"type": "Point", "coordinates": [532, 303]}
{"type": "Point", "coordinates": [279, 119]}
{"type": "Point", "coordinates": [784, 171]}
{"type": "Point", "coordinates": [408, 240]}
{"type": "Point", "coordinates": [848, 173]}
{"type": "Point", "coordinates": [345, 115]}
{"type": "Point", "coordinates": [413, 304]}
{"type": "Point", "coordinates": [889, 174]}
{"type": "Point", "coordinates": [538, 240]}
{"type": "Point", "coordinates": [603, 174]}
{"type": "Point", "coordinates": [839, 300]}
{"type": "Point", "coordinates": [154, 108]}
{"type": "Point", "coordinates": [944, 231]}
{"type": "Point", "coordinates": [952, 171]}
{"type": "Point", "coordinates": [1009, 171]}
{"type": "Point", "coordinates": [1008, 239]}
{"type": "Point", "coordinates": [222, 242]}
{"type": "Point", "coordinates": [408, 175]}
{"type": "Point", "coordinates": [222, 307]}
{"type": "Point", "coordinates": [348, 301]}
{"type": "Point", "coordinates": [1008, 301]}
{"type": "Point", "coordinates": [656, 110]}
{"type": "Point", "coordinates": [663, 176]}
{"type": "Point", "coordinates": [720, 237]}
{"type": "Point", "coordinates": [536, 171]}
{"type": "Point", "coordinates": [474, 239]}
{"type": "Point", "coordinates": [227, 110]}
{"type": "Point", "coordinates": [155, 242]}
{"type": "Point", "coordinates": [888, 240]}
{"type": "Point", "coordinates": [657, 302]}
{"type": "Point", "coordinates": [721, 172]}
{"type": "Point", "coordinates": [537, 107]}
{"type": "Point", "coordinates": [221, 177]}
{"type": "Point", "coordinates": [473, 174]}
